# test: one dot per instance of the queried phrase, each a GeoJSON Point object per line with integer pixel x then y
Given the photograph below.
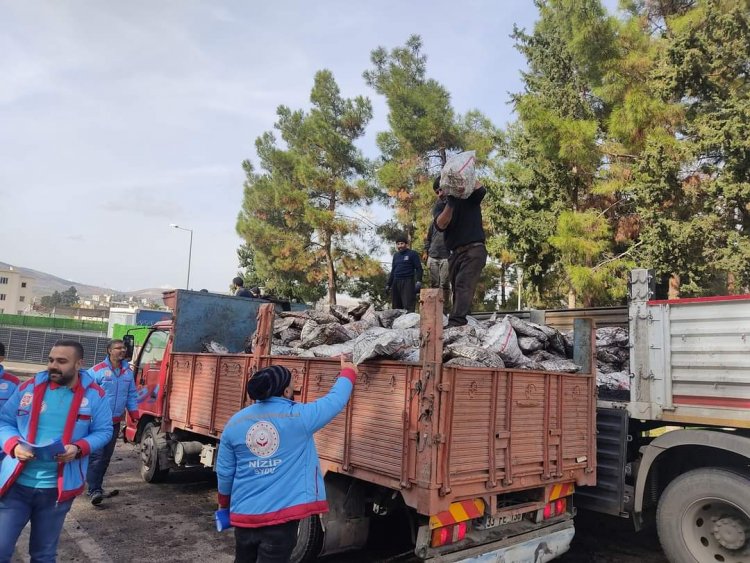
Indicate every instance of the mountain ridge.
{"type": "Point", "coordinates": [47, 284]}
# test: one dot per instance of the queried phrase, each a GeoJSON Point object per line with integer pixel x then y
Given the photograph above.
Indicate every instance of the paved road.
{"type": "Point", "coordinates": [172, 522]}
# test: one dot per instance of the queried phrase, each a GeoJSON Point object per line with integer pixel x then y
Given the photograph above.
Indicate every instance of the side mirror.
{"type": "Point", "coordinates": [129, 341]}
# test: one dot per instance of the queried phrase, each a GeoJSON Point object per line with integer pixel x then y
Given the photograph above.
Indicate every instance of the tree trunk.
{"type": "Point", "coordinates": [571, 298]}
{"type": "Point", "coordinates": [674, 287]}
{"type": "Point", "coordinates": [502, 288]}
{"type": "Point", "coordinates": [731, 283]}
{"type": "Point", "coordinates": [331, 270]}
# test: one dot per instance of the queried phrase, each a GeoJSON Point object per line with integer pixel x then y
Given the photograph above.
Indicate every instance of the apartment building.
{"type": "Point", "coordinates": [15, 292]}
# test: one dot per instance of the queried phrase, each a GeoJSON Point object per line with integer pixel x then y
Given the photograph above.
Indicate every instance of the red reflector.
{"type": "Point", "coordinates": [444, 535]}
{"type": "Point", "coordinates": [461, 527]}
{"type": "Point", "coordinates": [560, 506]}
{"type": "Point", "coordinates": [548, 511]}
{"type": "Point", "coordinates": [441, 536]}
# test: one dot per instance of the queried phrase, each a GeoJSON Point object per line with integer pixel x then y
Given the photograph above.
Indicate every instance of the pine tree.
{"type": "Point", "coordinates": [683, 115]}
{"type": "Point", "coordinates": [552, 160]}
{"type": "Point", "coordinates": [294, 213]}
{"type": "Point", "coordinates": [707, 70]}
{"type": "Point", "coordinates": [424, 130]}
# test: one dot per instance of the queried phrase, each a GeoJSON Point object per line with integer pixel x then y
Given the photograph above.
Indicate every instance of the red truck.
{"type": "Point", "coordinates": [477, 462]}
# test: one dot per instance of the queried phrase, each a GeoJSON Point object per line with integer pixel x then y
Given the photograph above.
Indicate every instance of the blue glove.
{"type": "Point", "coordinates": [418, 287]}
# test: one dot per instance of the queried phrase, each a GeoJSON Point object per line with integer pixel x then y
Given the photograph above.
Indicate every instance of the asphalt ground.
{"type": "Point", "coordinates": [173, 521]}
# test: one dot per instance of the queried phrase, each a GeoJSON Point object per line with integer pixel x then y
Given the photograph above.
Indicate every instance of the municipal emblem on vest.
{"type": "Point", "coordinates": [26, 400]}
{"type": "Point", "coordinates": [84, 402]}
{"type": "Point", "coordinates": [3, 385]}
{"type": "Point", "coordinates": [262, 439]}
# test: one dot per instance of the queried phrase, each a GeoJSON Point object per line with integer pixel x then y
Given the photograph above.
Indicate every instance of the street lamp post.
{"type": "Point", "coordinates": [190, 251]}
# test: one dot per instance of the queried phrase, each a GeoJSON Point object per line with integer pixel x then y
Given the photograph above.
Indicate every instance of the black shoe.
{"type": "Point", "coordinates": [96, 498]}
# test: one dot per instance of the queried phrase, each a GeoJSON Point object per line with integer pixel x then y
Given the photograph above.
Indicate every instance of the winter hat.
{"type": "Point", "coordinates": [269, 382]}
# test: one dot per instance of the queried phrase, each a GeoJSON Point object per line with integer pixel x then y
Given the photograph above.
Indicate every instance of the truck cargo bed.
{"type": "Point", "coordinates": [436, 434]}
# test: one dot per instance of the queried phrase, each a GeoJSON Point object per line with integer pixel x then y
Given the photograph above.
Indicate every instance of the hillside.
{"type": "Point", "coordinates": [47, 284]}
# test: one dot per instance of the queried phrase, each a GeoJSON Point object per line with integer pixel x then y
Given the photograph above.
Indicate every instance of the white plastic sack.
{"type": "Point", "coordinates": [388, 343]}
{"type": "Point", "coordinates": [334, 350]}
{"type": "Point", "coordinates": [458, 177]}
{"type": "Point", "coordinates": [619, 380]}
{"type": "Point", "coordinates": [502, 339]}
{"type": "Point", "coordinates": [486, 357]}
{"type": "Point", "coordinates": [409, 320]}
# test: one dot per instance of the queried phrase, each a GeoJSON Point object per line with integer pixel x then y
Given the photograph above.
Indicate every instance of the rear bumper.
{"type": "Point", "coordinates": [538, 546]}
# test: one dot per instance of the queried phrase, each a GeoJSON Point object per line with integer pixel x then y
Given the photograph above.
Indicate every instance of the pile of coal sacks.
{"type": "Point", "coordinates": [362, 333]}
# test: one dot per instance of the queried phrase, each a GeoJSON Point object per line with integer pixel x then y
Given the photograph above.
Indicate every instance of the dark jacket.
{"type": "Point", "coordinates": [406, 264]}
{"type": "Point", "coordinates": [434, 246]}
{"type": "Point", "coordinates": [466, 225]}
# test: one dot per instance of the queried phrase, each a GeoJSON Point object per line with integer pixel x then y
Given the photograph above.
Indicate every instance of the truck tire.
{"type": "Point", "coordinates": [151, 442]}
{"type": "Point", "coordinates": [309, 540]}
{"type": "Point", "coordinates": [704, 516]}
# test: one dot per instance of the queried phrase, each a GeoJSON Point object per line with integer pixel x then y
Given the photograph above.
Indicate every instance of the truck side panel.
{"type": "Point", "coordinates": [206, 390]}
{"type": "Point", "coordinates": [369, 434]}
{"type": "Point", "coordinates": [539, 429]}
{"type": "Point", "coordinates": [694, 361]}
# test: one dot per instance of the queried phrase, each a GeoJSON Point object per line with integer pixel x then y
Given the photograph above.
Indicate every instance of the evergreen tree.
{"type": "Point", "coordinates": [706, 69]}
{"type": "Point", "coordinates": [424, 130]}
{"type": "Point", "coordinates": [552, 160]}
{"type": "Point", "coordinates": [293, 214]}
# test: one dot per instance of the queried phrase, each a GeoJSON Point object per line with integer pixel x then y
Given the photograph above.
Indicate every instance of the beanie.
{"type": "Point", "coordinates": [268, 382]}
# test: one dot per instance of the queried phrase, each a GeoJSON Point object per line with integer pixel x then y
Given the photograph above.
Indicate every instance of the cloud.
{"type": "Point", "coordinates": [138, 114]}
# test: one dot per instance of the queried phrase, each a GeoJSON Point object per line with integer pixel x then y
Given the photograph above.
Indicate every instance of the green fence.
{"type": "Point", "coordinates": [52, 322]}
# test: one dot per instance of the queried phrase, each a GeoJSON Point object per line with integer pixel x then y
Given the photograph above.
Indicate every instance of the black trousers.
{"type": "Point", "coordinates": [268, 544]}
{"type": "Point", "coordinates": [404, 294]}
{"type": "Point", "coordinates": [466, 265]}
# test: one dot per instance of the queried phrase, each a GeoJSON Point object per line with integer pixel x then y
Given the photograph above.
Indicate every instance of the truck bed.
{"type": "Point", "coordinates": [436, 434]}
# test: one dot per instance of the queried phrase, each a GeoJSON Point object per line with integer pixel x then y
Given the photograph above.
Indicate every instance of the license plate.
{"type": "Point", "coordinates": [495, 521]}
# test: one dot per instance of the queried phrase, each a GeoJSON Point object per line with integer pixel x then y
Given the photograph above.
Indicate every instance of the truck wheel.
{"type": "Point", "coordinates": [151, 442]}
{"type": "Point", "coordinates": [309, 540]}
{"type": "Point", "coordinates": [704, 515]}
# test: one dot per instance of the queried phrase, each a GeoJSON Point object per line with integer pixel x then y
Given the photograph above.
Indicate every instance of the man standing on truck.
{"type": "Point", "coordinates": [406, 273]}
{"type": "Point", "coordinates": [268, 468]}
{"type": "Point", "coordinates": [63, 406]}
{"type": "Point", "coordinates": [461, 221]}
{"type": "Point", "coordinates": [116, 378]}
{"type": "Point", "coordinates": [437, 254]}
{"type": "Point", "coordinates": [238, 286]}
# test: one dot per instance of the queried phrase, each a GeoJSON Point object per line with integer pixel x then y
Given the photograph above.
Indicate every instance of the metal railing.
{"type": "Point", "coordinates": [33, 346]}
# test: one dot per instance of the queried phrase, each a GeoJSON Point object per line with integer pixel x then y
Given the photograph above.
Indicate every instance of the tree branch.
{"type": "Point", "coordinates": [637, 244]}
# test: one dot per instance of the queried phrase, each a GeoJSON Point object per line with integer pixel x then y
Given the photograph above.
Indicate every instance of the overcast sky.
{"type": "Point", "coordinates": [119, 118]}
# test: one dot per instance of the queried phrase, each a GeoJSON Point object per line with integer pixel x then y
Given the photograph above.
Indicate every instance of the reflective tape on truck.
{"type": "Point", "coordinates": [458, 512]}
{"type": "Point", "coordinates": [561, 490]}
